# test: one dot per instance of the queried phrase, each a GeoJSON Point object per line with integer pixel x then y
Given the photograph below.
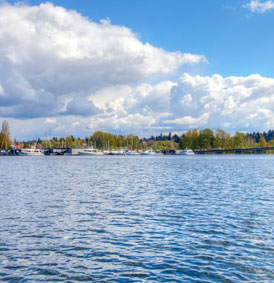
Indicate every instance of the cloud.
{"type": "Point", "coordinates": [53, 59]}
{"type": "Point", "coordinates": [62, 74]}
{"type": "Point", "coordinates": [81, 107]}
{"type": "Point", "coordinates": [189, 121]}
{"type": "Point", "coordinates": [143, 98]}
{"type": "Point", "coordinates": [50, 121]}
{"type": "Point", "coordinates": [2, 92]}
{"type": "Point", "coordinates": [234, 103]}
{"type": "Point", "coordinates": [256, 6]}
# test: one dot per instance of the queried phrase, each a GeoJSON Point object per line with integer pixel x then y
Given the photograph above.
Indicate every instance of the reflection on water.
{"type": "Point", "coordinates": [137, 219]}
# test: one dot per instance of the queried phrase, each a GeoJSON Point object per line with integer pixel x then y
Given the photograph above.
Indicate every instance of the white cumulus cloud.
{"type": "Point", "coordinates": [62, 74]}
{"type": "Point", "coordinates": [234, 103]}
{"type": "Point", "coordinates": [53, 59]}
{"type": "Point", "coordinates": [257, 6]}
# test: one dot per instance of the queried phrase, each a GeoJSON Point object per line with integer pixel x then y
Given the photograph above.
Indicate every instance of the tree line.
{"type": "Point", "coordinates": [207, 139]}
{"type": "Point", "coordinates": [192, 139]}
{"type": "Point", "coordinates": [100, 140]}
{"type": "Point", "coordinates": [268, 136]}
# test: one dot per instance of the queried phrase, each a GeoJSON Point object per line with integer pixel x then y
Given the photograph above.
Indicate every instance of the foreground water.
{"type": "Point", "coordinates": [137, 219]}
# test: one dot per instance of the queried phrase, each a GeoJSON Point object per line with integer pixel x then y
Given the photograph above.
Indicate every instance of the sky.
{"type": "Point", "coordinates": [144, 66]}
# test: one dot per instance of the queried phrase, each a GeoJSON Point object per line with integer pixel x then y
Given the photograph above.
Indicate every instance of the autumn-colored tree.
{"type": "Point", "coordinates": [263, 142]}
{"type": "Point", "coordinates": [221, 139]}
{"type": "Point", "coordinates": [249, 141]}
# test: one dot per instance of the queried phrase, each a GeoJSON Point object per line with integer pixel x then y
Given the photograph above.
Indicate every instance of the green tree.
{"type": "Point", "coordinates": [206, 139]}
{"type": "Point", "coordinates": [79, 142]}
{"type": "Point", "coordinates": [5, 141]}
{"type": "Point", "coordinates": [271, 143]}
{"type": "Point", "coordinates": [164, 145]}
{"type": "Point", "coordinates": [54, 143]}
{"type": "Point", "coordinates": [189, 140]}
{"type": "Point", "coordinates": [69, 142]}
{"type": "Point", "coordinates": [98, 139]}
{"type": "Point", "coordinates": [238, 140]}
{"type": "Point", "coordinates": [182, 143]}
{"type": "Point", "coordinates": [45, 144]}
{"type": "Point", "coordinates": [26, 145]}
{"type": "Point", "coordinates": [120, 141]}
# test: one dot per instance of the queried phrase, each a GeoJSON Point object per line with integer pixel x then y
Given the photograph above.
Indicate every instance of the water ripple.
{"type": "Point", "coordinates": [135, 219]}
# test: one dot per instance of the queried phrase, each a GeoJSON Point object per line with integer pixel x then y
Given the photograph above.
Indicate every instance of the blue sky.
{"type": "Point", "coordinates": [152, 66]}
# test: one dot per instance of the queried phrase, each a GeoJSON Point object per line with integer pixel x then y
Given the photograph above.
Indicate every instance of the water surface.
{"type": "Point", "coordinates": [137, 219]}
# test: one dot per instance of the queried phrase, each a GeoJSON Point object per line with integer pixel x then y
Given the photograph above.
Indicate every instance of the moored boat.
{"type": "Point", "coordinates": [187, 152]}
{"type": "Point", "coordinates": [32, 151]}
{"type": "Point", "coordinates": [132, 152]}
{"type": "Point", "coordinates": [149, 152]}
{"type": "Point", "coordinates": [90, 151]}
{"type": "Point", "coordinates": [117, 152]}
{"type": "Point", "coordinates": [4, 152]}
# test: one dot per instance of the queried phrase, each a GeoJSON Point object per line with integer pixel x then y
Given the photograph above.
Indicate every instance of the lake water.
{"type": "Point", "coordinates": [137, 219]}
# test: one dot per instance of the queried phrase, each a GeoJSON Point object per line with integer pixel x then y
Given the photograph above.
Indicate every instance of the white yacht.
{"type": "Point", "coordinates": [75, 151]}
{"type": "Point", "coordinates": [117, 152]}
{"type": "Point", "coordinates": [149, 152]}
{"type": "Point", "coordinates": [90, 151]}
{"type": "Point", "coordinates": [4, 152]}
{"type": "Point", "coordinates": [132, 152]}
{"type": "Point", "coordinates": [32, 151]}
{"type": "Point", "coordinates": [187, 152]}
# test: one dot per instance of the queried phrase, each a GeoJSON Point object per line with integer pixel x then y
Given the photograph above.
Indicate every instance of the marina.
{"type": "Point", "coordinates": [150, 152]}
